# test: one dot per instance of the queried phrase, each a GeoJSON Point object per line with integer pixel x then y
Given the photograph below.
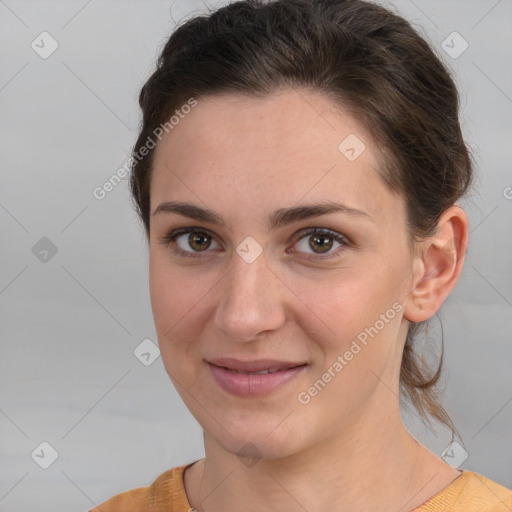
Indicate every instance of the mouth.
{"type": "Point", "coordinates": [256, 366]}
{"type": "Point", "coordinates": [261, 372]}
{"type": "Point", "coordinates": [251, 379]}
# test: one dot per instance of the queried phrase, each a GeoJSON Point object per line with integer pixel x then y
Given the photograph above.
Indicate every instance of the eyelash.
{"type": "Point", "coordinates": [171, 237]}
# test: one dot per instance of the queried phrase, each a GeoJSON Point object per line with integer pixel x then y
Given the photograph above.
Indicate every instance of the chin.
{"type": "Point", "coordinates": [249, 451]}
{"type": "Point", "coordinates": [255, 440]}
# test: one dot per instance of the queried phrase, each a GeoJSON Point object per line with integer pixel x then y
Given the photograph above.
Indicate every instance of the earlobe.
{"type": "Point", "coordinates": [438, 265]}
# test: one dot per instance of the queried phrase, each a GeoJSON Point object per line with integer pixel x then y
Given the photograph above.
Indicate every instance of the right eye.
{"type": "Point", "coordinates": [181, 240]}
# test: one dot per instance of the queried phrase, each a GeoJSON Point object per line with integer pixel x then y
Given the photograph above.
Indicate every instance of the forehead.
{"type": "Point", "coordinates": [294, 145]}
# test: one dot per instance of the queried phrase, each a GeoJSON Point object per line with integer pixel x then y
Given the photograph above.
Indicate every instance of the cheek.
{"type": "Point", "coordinates": [346, 302]}
{"type": "Point", "coordinates": [362, 309]}
{"type": "Point", "coordinates": [365, 315]}
{"type": "Point", "coordinates": [173, 296]}
{"type": "Point", "coordinates": [164, 299]}
{"type": "Point", "coordinates": [179, 297]}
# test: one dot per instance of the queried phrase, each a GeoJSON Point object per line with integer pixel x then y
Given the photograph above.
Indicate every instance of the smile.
{"type": "Point", "coordinates": [251, 379]}
{"type": "Point", "coordinates": [262, 372]}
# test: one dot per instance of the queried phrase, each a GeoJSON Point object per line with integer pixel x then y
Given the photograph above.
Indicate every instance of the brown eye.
{"type": "Point", "coordinates": [189, 242]}
{"type": "Point", "coordinates": [322, 242]}
{"type": "Point", "coordinates": [199, 241]}
{"type": "Point", "coordinates": [319, 244]}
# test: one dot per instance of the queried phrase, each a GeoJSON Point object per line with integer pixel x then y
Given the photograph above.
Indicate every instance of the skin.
{"type": "Point", "coordinates": [347, 449]}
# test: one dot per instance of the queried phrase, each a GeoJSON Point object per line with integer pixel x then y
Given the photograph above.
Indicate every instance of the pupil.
{"type": "Point", "coordinates": [320, 240]}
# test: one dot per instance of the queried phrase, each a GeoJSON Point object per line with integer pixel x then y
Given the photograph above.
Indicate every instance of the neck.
{"type": "Point", "coordinates": [350, 472]}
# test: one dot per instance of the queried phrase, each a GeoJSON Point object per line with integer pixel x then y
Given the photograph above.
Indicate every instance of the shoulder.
{"type": "Point", "coordinates": [166, 493]}
{"type": "Point", "coordinates": [470, 492]}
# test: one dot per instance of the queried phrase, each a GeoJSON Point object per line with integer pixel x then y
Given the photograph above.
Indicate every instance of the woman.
{"type": "Point", "coordinates": [298, 173]}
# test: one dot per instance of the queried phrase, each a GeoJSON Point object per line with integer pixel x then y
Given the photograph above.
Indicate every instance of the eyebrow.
{"type": "Point", "coordinates": [276, 219]}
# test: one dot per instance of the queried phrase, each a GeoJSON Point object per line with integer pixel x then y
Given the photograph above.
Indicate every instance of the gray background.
{"type": "Point", "coordinates": [69, 325]}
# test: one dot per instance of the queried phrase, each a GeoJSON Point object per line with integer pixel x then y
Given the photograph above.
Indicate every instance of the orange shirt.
{"type": "Point", "coordinates": [470, 492]}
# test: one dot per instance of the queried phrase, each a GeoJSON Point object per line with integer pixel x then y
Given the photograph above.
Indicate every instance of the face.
{"type": "Point", "coordinates": [277, 246]}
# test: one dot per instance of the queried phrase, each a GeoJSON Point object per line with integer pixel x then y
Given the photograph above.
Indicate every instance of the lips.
{"type": "Point", "coordinates": [253, 378]}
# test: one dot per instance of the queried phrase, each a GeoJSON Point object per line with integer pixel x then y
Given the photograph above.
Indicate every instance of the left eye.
{"type": "Point", "coordinates": [320, 241]}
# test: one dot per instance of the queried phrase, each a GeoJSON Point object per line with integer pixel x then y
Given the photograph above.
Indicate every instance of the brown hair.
{"type": "Point", "coordinates": [361, 55]}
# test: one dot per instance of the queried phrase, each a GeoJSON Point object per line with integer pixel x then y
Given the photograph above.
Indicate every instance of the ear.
{"type": "Point", "coordinates": [437, 265]}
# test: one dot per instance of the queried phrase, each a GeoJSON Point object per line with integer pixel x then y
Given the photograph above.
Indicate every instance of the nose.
{"type": "Point", "coordinates": [252, 300]}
